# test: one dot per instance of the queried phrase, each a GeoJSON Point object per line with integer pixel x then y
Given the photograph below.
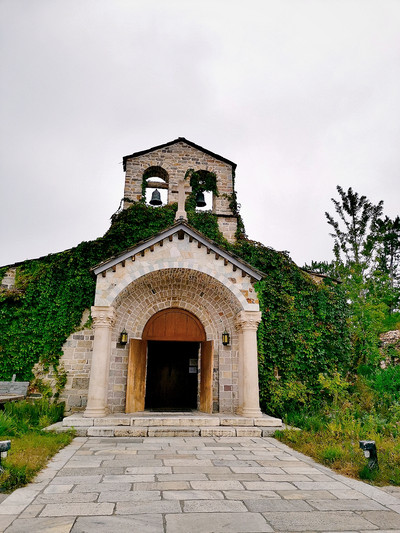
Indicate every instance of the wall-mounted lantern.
{"type": "Point", "coordinates": [123, 338]}
{"type": "Point", "coordinates": [226, 338]}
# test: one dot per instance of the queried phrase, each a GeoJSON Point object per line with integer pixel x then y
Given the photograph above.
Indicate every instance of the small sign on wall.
{"type": "Point", "coordinates": [192, 369]}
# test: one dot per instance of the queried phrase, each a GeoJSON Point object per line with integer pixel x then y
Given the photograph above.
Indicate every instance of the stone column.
{"type": "Point", "coordinates": [249, 401]}
{"type": "Point", "coordinates": [103, 321]}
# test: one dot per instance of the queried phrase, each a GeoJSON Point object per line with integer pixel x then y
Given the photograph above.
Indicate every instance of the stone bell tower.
{"type": "Point", "coordinates": [164, 167]}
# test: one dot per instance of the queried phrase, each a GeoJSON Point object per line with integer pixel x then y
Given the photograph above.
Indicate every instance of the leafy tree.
{"type": "Point", "coordinates": [359, 217]}
{"type": "Point", "coordinates": [388, 256]}
{"type": "Point", "coordinates": [367, 255]}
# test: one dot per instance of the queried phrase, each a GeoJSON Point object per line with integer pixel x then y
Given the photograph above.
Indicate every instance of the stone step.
{"type": "Point", "coordinates": [170, 431]}
{"type": "Point", "coordinates": [170, 425]}
{"type": "Point", "coordinates": [141, 421]}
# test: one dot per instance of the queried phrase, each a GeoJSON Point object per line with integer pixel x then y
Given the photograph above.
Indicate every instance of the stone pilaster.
{"type": "Point", "coordinates": [103, 321]}
{"type": "Point", "coordinates": [246, 324]}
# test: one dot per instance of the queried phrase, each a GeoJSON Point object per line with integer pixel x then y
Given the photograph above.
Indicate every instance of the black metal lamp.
{"type": "Point", "coordinates": [123, 338]}
{"type": "Point", "coordinates": [370, 452]}
{"type": "Point", "coordinates": [5, 445]}
{"type": "Point", "coordinates": [155, 198]}
{"type": "Point", "coordinates": [200, 201]}
{"type": "Point", "coordinates": [226, 338]}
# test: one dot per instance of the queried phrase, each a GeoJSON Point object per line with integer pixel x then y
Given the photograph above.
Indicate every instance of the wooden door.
{"type": "Point", "coordinates": [206, 378]}
{"type": "Point", "coordinates": [174, 324]}
{"type": "Point", "coordinates": [136, 382]}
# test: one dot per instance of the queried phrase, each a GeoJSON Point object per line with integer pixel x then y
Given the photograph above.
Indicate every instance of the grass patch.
{"type": "Point", "coordinates": [337, 445]}
{"type": "Point", "coordinates": [31, 447]}
{"type": "Point", "coordinates": [29, 453]}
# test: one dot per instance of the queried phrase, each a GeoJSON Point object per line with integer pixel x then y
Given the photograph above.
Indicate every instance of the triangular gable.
{"type": "Point", "coordinates": [181, 228]}
{"type": "Point", "coordinates": [175, 141]}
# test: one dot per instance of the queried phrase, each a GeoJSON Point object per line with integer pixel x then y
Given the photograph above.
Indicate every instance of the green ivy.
{"type": "Point", "coordinates": [303, 331]}
{"type": "Point", "coordinates": [200, 181]}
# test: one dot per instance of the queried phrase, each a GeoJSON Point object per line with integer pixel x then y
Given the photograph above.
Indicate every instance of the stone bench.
{"type": "Point", "coordinates": [13, 390]}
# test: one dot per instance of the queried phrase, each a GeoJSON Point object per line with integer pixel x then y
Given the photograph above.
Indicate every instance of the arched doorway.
{"type": "Point", "coordinates": [163, 366]}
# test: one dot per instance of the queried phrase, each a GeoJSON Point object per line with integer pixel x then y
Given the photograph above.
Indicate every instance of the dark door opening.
{"type": "Point", "coordinates": [171, 382]}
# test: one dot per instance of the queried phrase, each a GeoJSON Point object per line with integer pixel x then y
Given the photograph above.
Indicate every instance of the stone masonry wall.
{"type": "Point", "coordinates": [176, 160]}
{"type": "Point", "coordinates": [77, 360]}
{"type": "Point", "coordinates": [8, 280]}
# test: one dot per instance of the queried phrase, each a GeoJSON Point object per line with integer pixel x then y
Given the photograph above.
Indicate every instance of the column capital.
{"type": "Point", "coordinates": [248, 320]}
{"type": "Point", "coordinates": [103, 316]}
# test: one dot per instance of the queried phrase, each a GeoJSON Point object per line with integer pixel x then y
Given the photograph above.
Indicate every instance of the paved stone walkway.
{"type": "Point", "coordinates": [193, 485]}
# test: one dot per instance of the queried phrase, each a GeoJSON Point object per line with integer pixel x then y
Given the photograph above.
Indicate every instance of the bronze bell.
{"type": "Point", "coordinates": [200, 201]}
{"type": "Point", "coordinates": [155, 198]}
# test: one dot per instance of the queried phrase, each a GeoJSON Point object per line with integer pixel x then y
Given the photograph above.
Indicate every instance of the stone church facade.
{"type": "Point", "coordinates": [186, 307]}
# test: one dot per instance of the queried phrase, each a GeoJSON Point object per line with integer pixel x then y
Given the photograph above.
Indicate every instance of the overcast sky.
{"type": "Point", "coordinates": [303, 95]}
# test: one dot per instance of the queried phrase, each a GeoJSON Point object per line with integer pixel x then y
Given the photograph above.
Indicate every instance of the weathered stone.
{"type": "Point", "coordinates": [130, 496]}
{"type": "Point", "coordinates": [213, 506]}
{"type": "Point", "coordinates": [150, 523]}
{"type": "Point", "coordinates": [383, 519]}
{"type": "Point", "coordinates": [143, 507]}
{"type": "Point", "coordinates": [173, 432]}
{"type": "Point", "coordinates": [100, 432]}
{"type": "Point", "coordinates": [59, 525]}
{"type": "Point", "coordinates": [267, 421]}
{"type": "Point", "coordinates": [218, 432]}
{"type": "Point", "coordinates": [236, 421]}
{"type": "Point", "coordinates": [248, 432]}
{"type": "Point", "coordinates": [216, 522]}
{"type": "Point", "coordinates": [75, 421]}
{"type": "Point", "coordinates": [130, 432]}
{"type": "Point", "coordinates": [76, 509]}
{"type": "Point", "coordinates": [112, 421]}
{"type": "Point", "coordinates": [192, 495]}
{"type": "Point", "coordinates": [317, 521]}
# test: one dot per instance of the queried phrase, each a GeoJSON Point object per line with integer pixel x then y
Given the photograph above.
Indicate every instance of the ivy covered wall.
{"type": "Point", "coordinates": [303, 330]}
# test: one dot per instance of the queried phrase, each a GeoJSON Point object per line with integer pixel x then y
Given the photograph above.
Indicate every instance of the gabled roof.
{"type": "Point", "coordinates": [181, 228]}
{"type": "Point", "coordinates": [179, 140]}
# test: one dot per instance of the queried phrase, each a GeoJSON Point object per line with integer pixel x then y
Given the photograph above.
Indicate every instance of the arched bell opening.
{"type": "Point", "coordinates": [155, 186]}
{"type": "Point", "coordinates": [171, 367]}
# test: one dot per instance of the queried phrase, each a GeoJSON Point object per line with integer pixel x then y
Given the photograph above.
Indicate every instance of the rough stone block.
{"type": "Point", "coordinates": [100, 432]}
{"type": "Point", "coordinates": [267, 421]}
{"type": "Point", "coordinates": [61, 525]}
{"type": "Point", "coordinates": [77, 421]}
{"type": "Point", "coordinates": [248, 432]}
{"type": "Point", "coordinates": [236, 421]}
{"type": "Point", "coordinates": [144, 523]}
{"type": "Point", "coordinates": [112, 421]}
{"type": "Point", "coordinates": [76, 509]}
{"type": "Point", "coordinates": [218, 432]}
{"type": "Point", "coordinates": [130, 431]}
{"type": "Point", "coordinates": [213, 506]}
{"type": "Point", "coordinates": [317, 521]}
{"type": "Point", "coordinates": [217, 523]}
{"type": "Point", "coordinates": [173, 432]}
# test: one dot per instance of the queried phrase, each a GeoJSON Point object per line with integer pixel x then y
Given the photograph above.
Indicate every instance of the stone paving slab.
{"type": "Point", "coordinates": [193, 485]}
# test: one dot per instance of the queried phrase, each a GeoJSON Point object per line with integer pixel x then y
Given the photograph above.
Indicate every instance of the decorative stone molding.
{"type": "Point", "coordinates": [103, 316]}
{"type": "Point", "coordinates": [247, 320]}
